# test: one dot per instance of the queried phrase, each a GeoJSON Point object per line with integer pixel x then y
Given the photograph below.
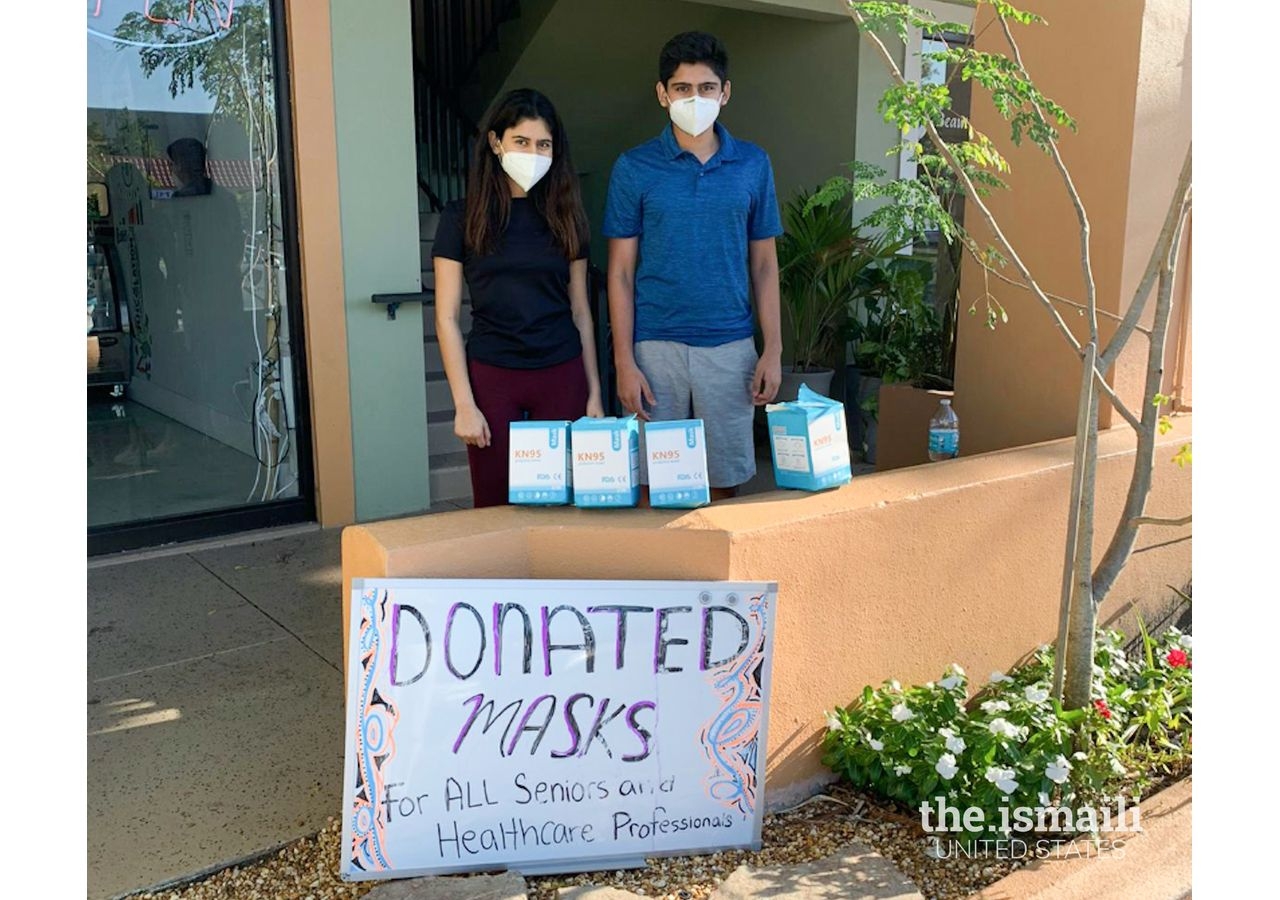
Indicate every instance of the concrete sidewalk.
{"type": "Point", "coordinates": [215, 705]}
{"type": "Point", "coordinates": [215, 692]}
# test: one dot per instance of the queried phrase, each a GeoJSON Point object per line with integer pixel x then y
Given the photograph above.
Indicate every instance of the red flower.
{"type": "Point", "coordinates": [1178, 659]}
{"type": "Point", "coordinates": [1102, 708]}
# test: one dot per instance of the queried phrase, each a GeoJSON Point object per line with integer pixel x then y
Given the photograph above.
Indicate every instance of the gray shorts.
{"type": "Point", "coordinates": [712, 384]}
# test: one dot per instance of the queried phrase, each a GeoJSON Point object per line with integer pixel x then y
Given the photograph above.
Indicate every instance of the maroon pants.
{"type": "Point", "coordinates": [509, 395]}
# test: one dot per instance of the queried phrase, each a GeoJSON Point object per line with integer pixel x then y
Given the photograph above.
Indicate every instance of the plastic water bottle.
{"type": "Point", "coordinates": [944, 433]}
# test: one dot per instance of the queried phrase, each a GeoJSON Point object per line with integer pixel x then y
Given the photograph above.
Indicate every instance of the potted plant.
{"type": "Point", "coordinates": [898, 337]}
{"type": "Point", "coordinates": [820, 260]}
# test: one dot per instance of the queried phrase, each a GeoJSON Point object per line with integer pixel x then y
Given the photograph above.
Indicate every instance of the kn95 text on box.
{"type": "Point", "coordinates": [539, 469]}
{"type": "Point", "coordinates": [606, 461]}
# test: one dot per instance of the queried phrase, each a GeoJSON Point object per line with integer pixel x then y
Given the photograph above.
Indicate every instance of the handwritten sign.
{"type": "Point", "coordinates": [552, 726]}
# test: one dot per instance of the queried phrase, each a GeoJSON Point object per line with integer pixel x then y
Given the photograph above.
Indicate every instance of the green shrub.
{"type": "Point", "coordinates": [1011, 745]}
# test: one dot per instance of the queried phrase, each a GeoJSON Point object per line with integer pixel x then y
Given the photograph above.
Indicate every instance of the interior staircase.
{"type": "Point", "coordinates": [463, 51]}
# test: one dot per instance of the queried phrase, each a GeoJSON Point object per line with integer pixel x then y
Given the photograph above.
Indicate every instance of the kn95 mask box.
{"type": "Point", "coordinates": [808, 442]}
{"type": "Point", "coordinates": [606, 461]}
{"type": "Point", "coordinates": [676, 457]}
{"type": "Point", "coordinates": [539, 470]}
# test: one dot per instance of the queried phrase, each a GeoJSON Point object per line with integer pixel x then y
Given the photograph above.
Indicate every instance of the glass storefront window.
{"type": "Point", "coordinates": [192, 404]}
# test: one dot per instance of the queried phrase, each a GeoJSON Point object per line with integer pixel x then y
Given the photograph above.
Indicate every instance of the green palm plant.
{"type": "Point", "coordinates": [821, 259]}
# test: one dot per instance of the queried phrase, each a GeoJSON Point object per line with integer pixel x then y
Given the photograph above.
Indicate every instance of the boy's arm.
{"type": "Point", "coordinates": [763, 260]}
{"type": "Point", "coordinates": [632, 386]}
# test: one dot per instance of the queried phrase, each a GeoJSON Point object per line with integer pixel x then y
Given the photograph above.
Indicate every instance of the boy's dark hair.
{"type": "Point", "coordinates": [693, 47]}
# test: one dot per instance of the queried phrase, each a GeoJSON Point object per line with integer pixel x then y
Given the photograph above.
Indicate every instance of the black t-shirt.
{"type": "Point", "coordinates": [520, 312]}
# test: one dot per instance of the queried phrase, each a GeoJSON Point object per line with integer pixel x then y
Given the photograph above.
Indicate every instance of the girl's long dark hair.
{"type": "Point", "coordinates": [555, 196]}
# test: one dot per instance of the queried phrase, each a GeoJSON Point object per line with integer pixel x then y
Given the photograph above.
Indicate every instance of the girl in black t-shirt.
{"type": "Point", "coordinates": [520, 242]}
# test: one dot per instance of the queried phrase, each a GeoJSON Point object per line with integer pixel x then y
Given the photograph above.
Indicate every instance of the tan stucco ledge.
{"type": "Point", "coordinates": [894, 575]}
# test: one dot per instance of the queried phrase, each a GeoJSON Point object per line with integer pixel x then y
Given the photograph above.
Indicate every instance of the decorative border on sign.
{"type": "Point", "coordinates": [375, 723]}
{"type": "Point", "coordinates": [731, 739]}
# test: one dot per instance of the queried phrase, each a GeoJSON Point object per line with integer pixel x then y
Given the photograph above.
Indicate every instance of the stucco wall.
{"type": "Point", "coordinates": [1161, 135]}
{"type": "Point", "coordinates": [377, 175]}
{"type": "Point", "coordinates": [1122, 70]}
{"type": "Point", "coordinates": [892, 576]}
{"type": "Point", "coordinates": [1019, 383]}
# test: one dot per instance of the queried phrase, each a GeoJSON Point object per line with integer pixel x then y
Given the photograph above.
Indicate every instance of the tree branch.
{"type": "Point", "coordinates": [1056, 298]}
{"type": "Point", "coordinates": [1116, 402]}
{"type": "Point", "coordinates": [1083, 410]}
{"type": "Point", "coordinates": [1126, 532]}
{"type": "Point", "coordinates": [1099, 376]}
{"type": "Point", "coordinates": [1156, 520]}
{"type": "Point", "coordinates": [970, 191]}
{"type": "Point", "coordinates": [1086, 259]}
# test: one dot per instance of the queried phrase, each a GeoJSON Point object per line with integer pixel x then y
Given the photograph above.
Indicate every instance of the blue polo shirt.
{"type": "Point", "coordinates": [694, 221]}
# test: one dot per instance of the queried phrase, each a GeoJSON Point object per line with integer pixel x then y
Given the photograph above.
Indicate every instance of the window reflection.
{"type": "Point", "coordinates": [194, 409]}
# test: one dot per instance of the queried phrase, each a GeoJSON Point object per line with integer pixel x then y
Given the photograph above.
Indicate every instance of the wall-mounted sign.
{"type": "Point", "coordinates": [552, 726]}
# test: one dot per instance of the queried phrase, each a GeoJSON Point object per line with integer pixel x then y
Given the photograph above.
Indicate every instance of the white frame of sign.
{"type": "Point", "coordinates": [425, 654]}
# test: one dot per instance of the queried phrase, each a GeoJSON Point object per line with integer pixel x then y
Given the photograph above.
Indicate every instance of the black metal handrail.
{"type": "Point", "coordinates": [393, 301]}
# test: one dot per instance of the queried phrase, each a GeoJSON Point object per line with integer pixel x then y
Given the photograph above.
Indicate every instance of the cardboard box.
{"type": "Point", "coordinates": [808, 442]}
{"type": "Point", "coordinates": [606, 461]}
{"type": "Point", "coordinates": [539, 468]}
{"type": "Point", "coordinates": [676, 457]}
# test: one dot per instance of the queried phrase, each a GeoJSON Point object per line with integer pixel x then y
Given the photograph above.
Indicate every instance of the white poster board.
{"type": "Point", "coordinates": [552, 726]}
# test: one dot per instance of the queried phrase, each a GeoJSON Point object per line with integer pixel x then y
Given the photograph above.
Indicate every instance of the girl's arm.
{"type": "Point", "coordinates": [468, 422]}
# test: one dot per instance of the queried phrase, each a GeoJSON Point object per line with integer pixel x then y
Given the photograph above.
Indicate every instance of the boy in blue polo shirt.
{"type": "Point", "coordinates": [691, 219]}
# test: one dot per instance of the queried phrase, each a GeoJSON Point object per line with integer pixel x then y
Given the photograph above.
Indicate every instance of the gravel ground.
{"type": "Point", "coordinates": [308, 869]}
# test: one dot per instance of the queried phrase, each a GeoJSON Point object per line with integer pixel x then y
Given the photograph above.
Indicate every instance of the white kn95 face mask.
{"type": "Point", "coordinates": [694, 115]}
{"type": "Point", "coordinates": [525, 169]}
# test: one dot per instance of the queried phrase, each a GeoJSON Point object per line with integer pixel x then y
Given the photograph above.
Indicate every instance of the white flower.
{"type": "Point", "coordinates": [1004, 728]}
{"type": "Point", "coordinates": [1117, 768]}
{"type": "Point", "coordinates": [901, 770]}
{"type": "Point", "coordinates": [875, 745]}
{"type": "Point", "coordinates": [992, 706]}
{"type": "Point", "coordinates": [1035, 694]}
{"type": "Point", "coordinates": [951, 682]}
{"type": "Point", "coordinates": [929, 685]}
{"type": "Point", "coordinates": [1080, 755]}
{"type": "Point", "coordinates": [833, 723]}
{"type": "Point", "coordinates": [1185, 642]}
{"type": "Point", "coordinates": [954, 744]}
{"type": "Point", "coordinates": [894, 686]}
{"type": "Point", "coordinates": [1043, 798]}
{"type": "Point", "coordinates": [900, 713]}
{"type": "Point", "coordinates": [955, 669]}
{"type": "Point", "coordinates": [946, 766]}
{"type": "Point", "coordinates": [1002, 778]}
{"type": "Point", "coordinates": [1057, 770]}
{"type": "Point", "coordinates": [997, 677]}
